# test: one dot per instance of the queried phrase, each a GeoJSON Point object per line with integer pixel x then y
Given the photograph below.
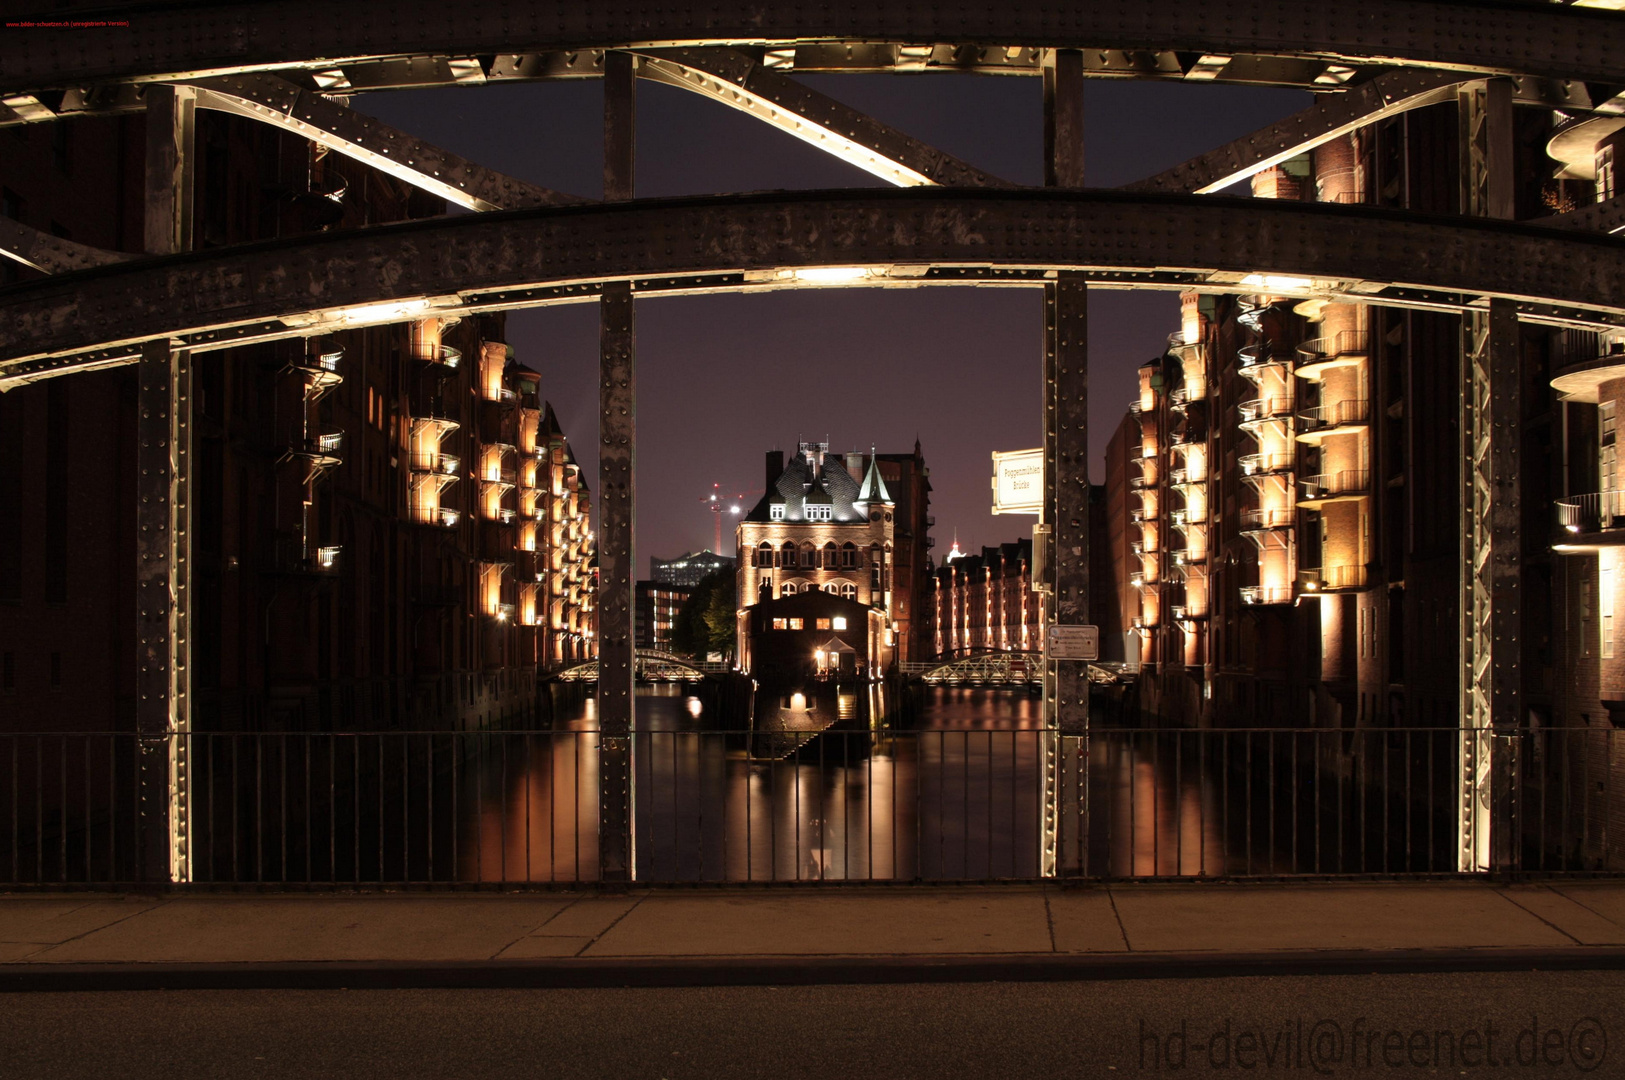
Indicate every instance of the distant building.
{"type": "Point", "coordinates": [986, 601]}
{"type": "Point", "coordinates": [688, 570]}
{"type": "Point", "coordinates": [854, 526]}
{"type": "Point", "coordinates": [813, 633]}
{"type": "Point", "coordinates": [657, 608]}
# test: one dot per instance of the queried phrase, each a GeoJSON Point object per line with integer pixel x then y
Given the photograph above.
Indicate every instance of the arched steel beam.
{"type": "Point", "coordinates": [1333, 115]}
{"type": "Point", "coordinates": [309, 115]}
{"type": "Point", "coordinates": [903, 237]}
{"type": "Point", "coordinates": [52, 254]}
{"type": "Point", "coordinates": [738, 81]}
{"type": "Point", "coordinates": [182, 40]}
{"type": "Point", "coordinates": [1604, 217]}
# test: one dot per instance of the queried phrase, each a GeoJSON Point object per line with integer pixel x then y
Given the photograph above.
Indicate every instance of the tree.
{"type": "Point", "coordinates": [705, 622]}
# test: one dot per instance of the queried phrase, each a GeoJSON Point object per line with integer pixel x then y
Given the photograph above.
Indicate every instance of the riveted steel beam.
{"type": "Point", "coordinates": [617, 462]}
{"type": "Point", "coordinates": [183, 39]}
{"type": "Point", "coordinates": [901, 237]}
{"type": "Point", "coordinates": [1604, 217]}
{"type": "Point", "coordinates": [1332, 116]}
{"type": "Point", "coordinates": [735, 79]}
{"type": "Point", "coordinates": [1491, 555]}
{"type": "Point", "coordinates": [311, 116]}
{"type": "Point", "coordinates": [163, 518]}
{"type": "Point", "coordinates": [52, 254]}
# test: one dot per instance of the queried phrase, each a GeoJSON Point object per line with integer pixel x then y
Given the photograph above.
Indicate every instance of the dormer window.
{"type": "Point", "coordinates": [818, 512]}
{"type": "Point", "coordinates": [776, 512]}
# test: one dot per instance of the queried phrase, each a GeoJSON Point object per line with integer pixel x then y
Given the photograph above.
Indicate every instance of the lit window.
{"type": "Point", "coordinates": [823, 624]}
{"type": "Point", "coordinates": [776, 512]}
{"type": "Point", "coordinates": [839, 622]}
{"type": "Point", "coordinates": [795, 624]}
{"type": "Point", "coordinates": [780, 624]}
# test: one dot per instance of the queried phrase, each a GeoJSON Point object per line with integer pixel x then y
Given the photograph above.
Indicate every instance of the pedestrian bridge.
{"type": "Point", "coordinates": [653, 665]}
{"type": "Point", "coordinates": [994, 668]}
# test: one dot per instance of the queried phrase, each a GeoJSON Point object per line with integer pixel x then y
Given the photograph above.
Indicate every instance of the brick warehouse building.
{"type": "Point", "coordinates": [1292, 479]}
{"type": "Point", "coordinates": [388, 525]}
{"type": "Point", "coordinates": [855, 525]}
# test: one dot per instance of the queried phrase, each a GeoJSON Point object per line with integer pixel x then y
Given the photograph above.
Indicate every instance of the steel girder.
{"type": "Point", "coordinates": [293, 288]}
{"type": "Point", "coordinates": [312, 116]}
{"type": "Point", "coordinates": [190, 40]}
{"type": "Point", "coordinates": [1333, 115]}
{"type": "Point", "coordinates": [51, 254]}
{"type": "Point", "coordinates": [737, 80]}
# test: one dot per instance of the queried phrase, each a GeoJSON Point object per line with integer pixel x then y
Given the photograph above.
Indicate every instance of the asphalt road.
{"type": "Point", "coordinates": [1529, 1024]}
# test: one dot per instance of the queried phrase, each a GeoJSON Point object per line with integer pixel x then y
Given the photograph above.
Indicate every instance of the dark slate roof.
{"type": "Point", "coordinates": [797, 486]}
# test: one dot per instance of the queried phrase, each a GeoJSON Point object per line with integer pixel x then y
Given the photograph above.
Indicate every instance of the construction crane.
{"type": "Point", "coordinates": [733, 505]}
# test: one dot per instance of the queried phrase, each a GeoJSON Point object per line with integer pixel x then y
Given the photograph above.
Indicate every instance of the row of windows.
{"type": "Point", "coordinates": [844, 589]}
{"type": "Point", "coordinates": [834, 622]}
{"type": "Point", "coordinates": [845, 557]}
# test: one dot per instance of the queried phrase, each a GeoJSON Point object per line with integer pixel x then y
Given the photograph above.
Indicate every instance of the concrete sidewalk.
{"type": "Point", "coordinates": [671, 937]}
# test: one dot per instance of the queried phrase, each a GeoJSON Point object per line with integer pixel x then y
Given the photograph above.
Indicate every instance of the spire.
{"type": "Point", "coordinates": [954, 552]}
{"type": "Point", "coordinates": [874, 488]}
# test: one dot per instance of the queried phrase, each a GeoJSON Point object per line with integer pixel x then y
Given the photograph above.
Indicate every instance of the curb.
{"type": "Point", "coordinates": [783, 971]}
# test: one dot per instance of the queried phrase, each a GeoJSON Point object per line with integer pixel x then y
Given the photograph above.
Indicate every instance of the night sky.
{"type": "Point", "coordinates": [722, 379]}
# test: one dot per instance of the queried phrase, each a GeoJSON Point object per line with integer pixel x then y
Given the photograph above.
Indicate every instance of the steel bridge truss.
{"type": "Point", "coordinates": [288, 63]}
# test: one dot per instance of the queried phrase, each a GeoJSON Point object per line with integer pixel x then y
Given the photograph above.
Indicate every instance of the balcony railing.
{"type": "Point", "coordinates": [444, 464]}
{"type": "Point", "coordinates": [1253, 318]}
{"type": "Point", "coordinates": [1595, 512]}
{"type": "Point", "coordinates": [321, 363]}
{"type": "Point", "coordinates": [1269, 518]}
{"type": "Point", "coordinates": [501, 514]}
{"type": "Point", "coordinates": [1343, 343]}
{"type": "Point", "coordinates": [444, 355]}
{"type": "Point", "coordinates": [1340, 577]}
{"type": "Point", "coordinates": [443, 516]}
{"type": "Point", "coordinates": [1252, 358]}
{"type": "Point", "coordinates": [504, 612]}
{"type": "Point", "coordinates": [1337, 414]}
{"type": "Point", "coordinates": [1260, 409]}
{"type": "Point", "coordinates": [1135, 406]}
{"type": "Point", "coordinates": [1264, 464]}
{"type": "Point", "coordinates": [1262, 594]}
{"type": "Point", "coordinates": [1345, 482]}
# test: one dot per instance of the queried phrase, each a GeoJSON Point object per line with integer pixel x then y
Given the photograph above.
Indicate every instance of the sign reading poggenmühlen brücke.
{"type": "Point", "coordinates": [1018, 481]}
{"type": "Point", "coordinates": [1072, 643]}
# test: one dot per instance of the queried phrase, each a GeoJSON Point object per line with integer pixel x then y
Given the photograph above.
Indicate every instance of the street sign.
{"type": "Point", "coordinates": [1073, 643]}
{"type": "Point", "coordinates": [1018, 481]}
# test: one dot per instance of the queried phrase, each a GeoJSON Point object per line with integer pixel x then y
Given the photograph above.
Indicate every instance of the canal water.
{"type": "Point", "coordinates": [847, 786]}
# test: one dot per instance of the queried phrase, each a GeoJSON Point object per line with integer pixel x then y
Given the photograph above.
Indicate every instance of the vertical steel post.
{"type": "Point", "coordinates": [616, 463]}
{"type": "Point", "coordinates": [1066, 460]}
{"type": "Point", "coordinates": [163, 518]}
{"type": "Point", "coordinates": [1491, 556]}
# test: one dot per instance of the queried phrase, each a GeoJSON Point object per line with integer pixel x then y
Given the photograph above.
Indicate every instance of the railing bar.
{"type": "Point", "coordinates": [259, 810]}
{"type": "Point", "coordinates": [823, 814]}
{"type": "Point", "coordinates": [1296, 780]}
{"type": "Point", "coordinates": [1247, 810]}
{"type": "Point", "coordinates": [528, 759]}
{"type": "Point", "coordinates": [428, 808]}
{"type": "Point", "coordinates": [990, 773]}
{"type": "Point", "coordinates": [85, 743]}
{"type": "Point", "coordinates": [795, 775]}
{"type": "Point", "coordinates": [1433, 831]}
{"type": "Point", "coordinates": [112, 807]}
{"type": "Point", "coordinates": [1203, 753]}
{"type": "Point", "coordinates": [750, 775]}
{"type": "Point", "coordinates": [1410, 798]}
{"type": "Point", "coordinates": [355, 807]}
{"type": "Point", "coordinates": [1387, 803]}
{"type": "Point", "coordinates": [1602, 861]}
{"type": "Point", "coordinates": [1179, 803]}
{"type": "Point", "coordinates": [1360, 792]}
{"type": "Point", "coordinates": [1274, 782]}
{"type": "Point", "coordinates": [1014, 772]}
{"type": "Point", "coordinates": [236, 801]}
{"type": "Point", "coordinates": [502, 810]}
{"type": "Point", "coordinates": [16, 810]}
{"type": "Point", "coordinates": [282, 813]}
{"type": "Point", "coordinates": [1344, 805]}
{"type": "Point", "coordinates": [478, 738]}
{"type": "Point", "coordinates": [378, 740]}
{"type": "Point", "coordinates": [62, 818]}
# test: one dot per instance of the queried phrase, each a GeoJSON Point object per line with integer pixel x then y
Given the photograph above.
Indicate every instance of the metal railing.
{"type": "Point", "coordinates": [1271, 518]}
{"type": "Point", "coordinates": [1342, 343]}
{"type": "Point", "coordinates": [1266, 594]}
{"type": "Point", "coordinates": [443, 516]}
{"type": "Point", "coordinates": [1592, 512]}
{"type": "Point", "coordinates": [1252, 358]}
{"type": "Point", "coordinates": [1264, 464]}
{"type": "Point", "coordinates": [1343, 482]}
{"type": "Point", "coordinates": [1341, 577]}
{"type": "Point", "coordinates": [445, 464]}
{"type": "Point", "coordinates": [1338, 413]}
{"type": "Point", "coordinates": [1256, 410]}
{"type": "Point", "coordinates": [444, 355]}
{"type": "Point", "coordinates": [467, 808]}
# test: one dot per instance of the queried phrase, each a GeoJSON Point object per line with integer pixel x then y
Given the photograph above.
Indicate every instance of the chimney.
{"type": "Point", "coordinates": [775, 467]}
{"type": "Point", "coordinates": [854, 464]}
